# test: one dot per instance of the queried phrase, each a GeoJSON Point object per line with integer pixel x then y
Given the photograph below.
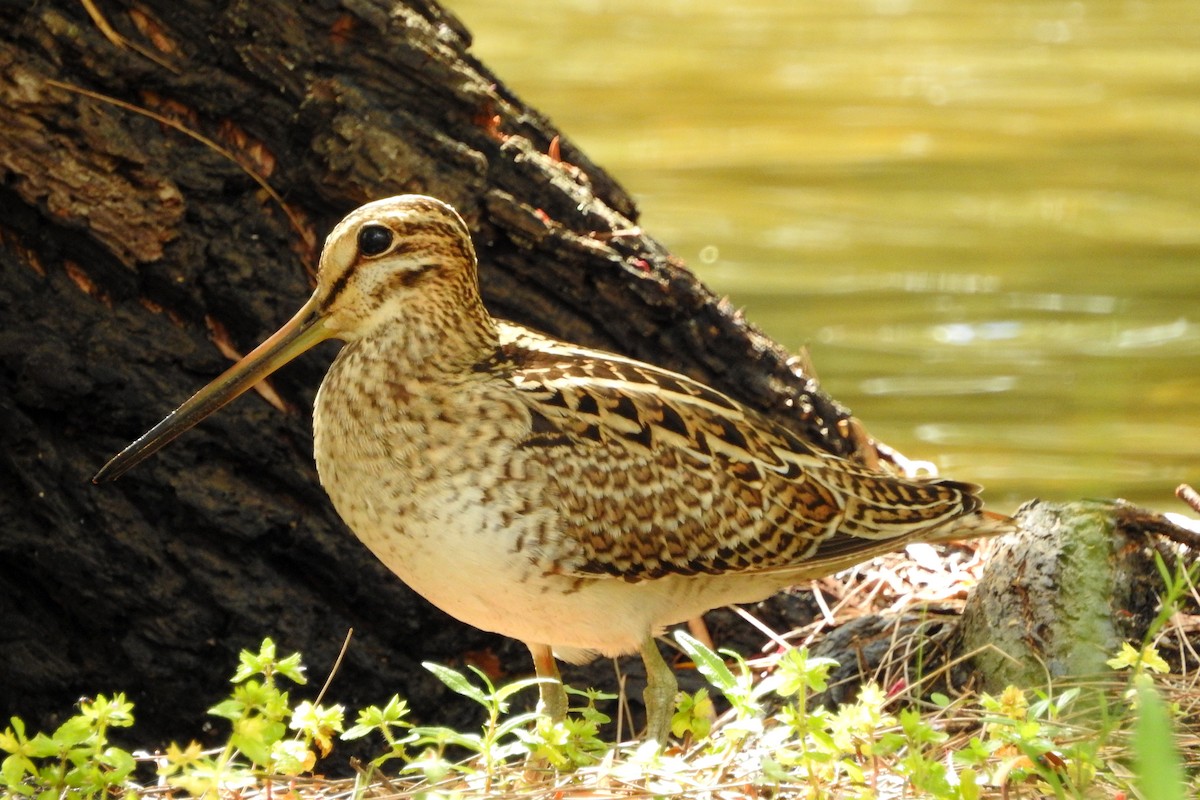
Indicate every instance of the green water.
{"type": "Point", "coordinates": [982, 219]}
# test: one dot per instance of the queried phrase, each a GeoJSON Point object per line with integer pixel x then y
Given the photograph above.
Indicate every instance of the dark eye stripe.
{"type": "Point", "coordinates": [337, 287]}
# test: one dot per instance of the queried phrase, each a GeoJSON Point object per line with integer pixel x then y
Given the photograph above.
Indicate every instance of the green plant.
{"type": "Point", "coordinates": [1021, 736]}
{"type": "Point", "coordinates": [573, 742]}
{"type": "Point", "coordinates": [493, 745]}
{"type": "Point", "coordinates": [388, 721]}
{"type": "Point", "coordinates": [742, 690]}
{"type": "Point", "coordinates": [258, 745]}
{"type": "Point", "coordinates": [74, 762]}
{"type": "Point", "coordinates": [1177, 584]}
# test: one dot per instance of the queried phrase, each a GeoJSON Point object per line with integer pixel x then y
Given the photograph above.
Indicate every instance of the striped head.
{"type": "Point", "coordinates": [407, 261]}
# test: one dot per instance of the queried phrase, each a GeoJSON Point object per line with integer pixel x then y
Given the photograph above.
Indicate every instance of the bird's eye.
{"type": "Point", "coordinates": [374, 240]}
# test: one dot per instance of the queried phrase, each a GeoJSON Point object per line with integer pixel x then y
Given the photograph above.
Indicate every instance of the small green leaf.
{"type": "Point", "coordinates": [1132, 658]}
{"type": "Point", "coordinates": [318, 724]}
{"type": "Point", "coordinates": [14, 768]}
{"type": "Point", "coordinates": [116, 712]}
{"type": "Point", "coordinates": [710, 665]}
{"type": "Point", "coordinates": [228, 709]}
{"type": "Point", "coordinates": [1159, 771]}
{"type": "Point", "coordinates": [292, 669]}
{"type": "Point", "coordinates": [694, 715]}
{"type": "Point", "coordinates": [121, 762]}
{"type": "Point", "coordinates": [512, 723]}
{"type": "Point", "coordinates": [75, 730]}
{"type": "Point", "coordinates": [443, 736]}
{"type": "Point", "coordinates": [457, 682]}
{"type": "Point", "coordinates": [357, 731]}
{"type": "Point", "coordinates": [968, 784]}
{"type": "Point", "coordinates": [509, 689]}
{"type": "Point", "coordinates": [1066, 698]}
{"type": "Point", "coordinates": [773, 771]}
{"type": "Point", "coordinates": [257, 749]}
{"type": "Point", "coordinates": [591, 695]}
{"type": "Point", "coordinates": [394, 712]}
{"type": "Point", "coordinates": [797, 671]}
{"type": "Point", "coordinates": [12, 738]}
{"type": "Point", "coordinates": [42, 746]}
{"type": "Point", "coordinates": [250, 664]}
{"type": "Point", "coordinates": [312, 718]}
{"type": "Point", "coordinates": [374, 718]}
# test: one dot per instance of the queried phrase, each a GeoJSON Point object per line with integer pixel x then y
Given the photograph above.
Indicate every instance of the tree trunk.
{"type": "Point", "coordinates": [169, 169]}
{"type": "Point", "coordinates": [1060, 598]}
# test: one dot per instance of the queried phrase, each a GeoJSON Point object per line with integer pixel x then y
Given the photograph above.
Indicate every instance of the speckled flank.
{"type": "Point", "coordinates": [559, 495]}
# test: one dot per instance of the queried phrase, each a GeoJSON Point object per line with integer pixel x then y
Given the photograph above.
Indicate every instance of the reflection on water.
{"type": "Point", "coordinates": [982, 219]}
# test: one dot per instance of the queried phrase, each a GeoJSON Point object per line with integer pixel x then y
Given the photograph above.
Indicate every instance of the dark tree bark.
{"type": "Point", "coordinates": [169, 169]}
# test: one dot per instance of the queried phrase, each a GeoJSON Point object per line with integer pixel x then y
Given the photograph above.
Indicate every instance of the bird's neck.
{"type": "Point", "coordinates": [434, 339]}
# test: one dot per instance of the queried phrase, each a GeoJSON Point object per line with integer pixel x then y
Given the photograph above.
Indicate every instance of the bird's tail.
{"type": "Point", "coordinates": [975, 525]}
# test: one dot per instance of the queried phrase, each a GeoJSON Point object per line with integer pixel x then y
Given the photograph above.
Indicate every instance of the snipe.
{"type": "Point", "coordinates": [573, 499]}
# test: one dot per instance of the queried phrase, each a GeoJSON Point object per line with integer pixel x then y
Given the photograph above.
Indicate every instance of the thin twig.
{"type": "Point", "coordinates": [1132, 518]}
{"type": "Point", "coordinates": [111, 33]}
{"type": "Point", "coordinates": [762, 627]}
{"type": "Point", "coordinates": [821, 604]}
{"type": "Point", "coordinates": [301, 230]}
{"type": "Point", "coordinates": [1188, 495]}
{"type": "Point", "coordinates": [337, 663]}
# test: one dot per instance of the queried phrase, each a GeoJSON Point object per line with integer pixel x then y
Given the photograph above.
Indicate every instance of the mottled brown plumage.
{"type": "Point", "coordinates": [570, 498]}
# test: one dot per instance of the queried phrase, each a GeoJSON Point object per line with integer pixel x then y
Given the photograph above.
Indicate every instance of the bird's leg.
{"type": "Point", "coordinates": [661, 688]}
{"type": "Point", "coordinates": [553, 698]}
{"type": "Point", "coordinates": [698, 628]}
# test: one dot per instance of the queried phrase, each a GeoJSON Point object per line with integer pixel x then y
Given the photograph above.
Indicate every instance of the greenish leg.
{"type": "Point", "coordinates": [661, 688]}
{"type": "Point", "coordinates": [553, 697]}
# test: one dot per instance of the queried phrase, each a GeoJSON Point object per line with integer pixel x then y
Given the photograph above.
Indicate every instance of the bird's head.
{"type": "Point", "coordinates": [389, 258]}
{"type": "Point", "coordinates": [404, 265]}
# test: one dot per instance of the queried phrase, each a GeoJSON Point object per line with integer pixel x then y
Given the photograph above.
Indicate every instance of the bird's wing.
{"type": "Point", "coordinates": [658, 474]}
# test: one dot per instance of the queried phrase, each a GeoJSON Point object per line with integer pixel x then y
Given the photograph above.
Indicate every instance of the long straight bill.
{"type": "Point", "coordinates": [299, 334]}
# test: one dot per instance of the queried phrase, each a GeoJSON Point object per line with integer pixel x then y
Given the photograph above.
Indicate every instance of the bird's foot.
{"type": "Point", "coordinates": [552, 697]}
{"type": "Point", "coordinates": [661, 689]}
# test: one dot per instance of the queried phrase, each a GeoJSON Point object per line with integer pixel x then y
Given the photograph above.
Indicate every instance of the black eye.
{"type": "Point", "coordinates": [374, 240]}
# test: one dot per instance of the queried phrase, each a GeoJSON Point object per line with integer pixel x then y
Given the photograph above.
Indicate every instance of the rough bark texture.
{"type": "Point", "coordinates": [165, 187]}
{"type": "Point", "coordinates": [1059, 598]}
